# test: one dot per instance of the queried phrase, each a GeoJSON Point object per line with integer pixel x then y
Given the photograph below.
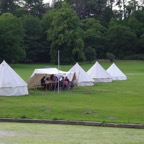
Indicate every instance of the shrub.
{"type": "Point", "coordinates": [90, 54]}
{"type": "Point", "coordinates": [110, 56]}
{"type": "Point", "coordinates": [135, 57]}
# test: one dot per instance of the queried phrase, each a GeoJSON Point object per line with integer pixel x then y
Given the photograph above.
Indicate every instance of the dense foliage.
{"type": "Point", "coordinates": [64, 34]}
{"type": "Point", "coordinates": [11, 38]}
{"type": "Point", "coordinates": [33, 31]}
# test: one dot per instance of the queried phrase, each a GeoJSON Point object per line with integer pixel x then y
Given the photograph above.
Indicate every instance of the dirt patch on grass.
{"type": "Point", "coordinates": [7, 134]}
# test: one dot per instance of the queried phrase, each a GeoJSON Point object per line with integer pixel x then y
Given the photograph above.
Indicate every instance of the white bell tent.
{"type": "Point", "coordinates": [99, 74]}
{"type": "Point", "coordinates": [11, 84]}
{"type": "Point", "coordinates": [116, 73]}
{"type": "Point", "coordinates": [82, 78]}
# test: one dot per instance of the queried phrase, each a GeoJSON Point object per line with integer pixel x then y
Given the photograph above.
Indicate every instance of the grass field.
{"type": "Point", "coordinates": [28, 133]}
{"type": "Point", "coordinates": [119, 101]}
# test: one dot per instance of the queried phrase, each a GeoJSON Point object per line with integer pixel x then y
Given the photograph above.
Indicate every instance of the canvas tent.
{"type": "Point", "coordinates": [11, 84]}
{"type": "Point", "coordinates": [99, 74]}
{"type": "Point", "coordinates": [35, 79]}
{"type": "Point", "coordinates": [116, 73]}
{"type": "Point", "coordinates": [82, 78]}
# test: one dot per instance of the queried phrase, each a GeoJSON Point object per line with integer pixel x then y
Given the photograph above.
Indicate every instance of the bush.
{"type": "Point", "coordinates": [135, 57]}
{"type": "Point", "coordinates": [110, 56]}
{"type": "Point", "coordinates": [90, 54]}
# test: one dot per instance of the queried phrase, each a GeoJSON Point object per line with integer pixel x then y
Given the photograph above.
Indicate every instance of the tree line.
{"type": "Point", "coordinates": [32, 31]}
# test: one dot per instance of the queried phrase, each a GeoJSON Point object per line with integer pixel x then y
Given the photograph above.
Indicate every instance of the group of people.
{"type": "Point", "coordinates": [53, 82]}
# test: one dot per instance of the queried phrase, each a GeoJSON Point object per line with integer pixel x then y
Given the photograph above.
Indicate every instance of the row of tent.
{"type": "Point", "coordinates": [97, 74]}
{"type": "Point", "coordinates": [77, 74]}
{"type": "Point", "coordinates": [11, 84]}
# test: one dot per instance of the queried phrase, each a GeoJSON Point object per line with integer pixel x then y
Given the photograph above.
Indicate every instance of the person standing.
{"type": "Point", "coordinates": [43, 81]}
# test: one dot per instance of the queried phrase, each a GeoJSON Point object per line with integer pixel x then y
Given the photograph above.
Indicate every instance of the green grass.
{"type": "Point", "coordinates": [28, 133]}
{"type": "Point", "coordinates": [119, 101]}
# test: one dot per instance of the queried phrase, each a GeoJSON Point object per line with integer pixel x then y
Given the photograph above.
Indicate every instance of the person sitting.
{"type": "Point", "coordinates": [47, 83]}
{"type": "Point", "coordinates": [66, 83]}
{"type": "Point", "coordinates": [52, 77]}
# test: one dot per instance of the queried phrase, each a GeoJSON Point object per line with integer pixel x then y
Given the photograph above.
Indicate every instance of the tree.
{"type": "Point", "coordinates": [65, 35]}
{"type": "Point", "coordinates": [78, 6]}
{"type": "Point", "coordinates": [110, 3]}
{"type": "Point", "coordinates": [33, 39]}
{"type": "Point", "coordinates": [135, 26]}
{"type": "Point", "coordinates": [90, 54]}
{"type": "Point", "coordinates": [131, 7]}
{"type": "Point", "coordinates": [108, 14]}
{"type": "Point", "coordinates": [94, 36]}
{"type": "Point", "coordinates": [7, 6]}
{"type": "Point", "coordinates": [102, 10]}
{"type": "Point", "coordinates": [11, 38]}
{"type": "Point", "coordinates": [140, 47]}
{"type": "Point", "coordinates": [95, 8]}
{"type": "Point", "coordinates": [121, 41]}
{"type": "Point", "coordinates": [35, 7]}
{"type": "Point", "coordinates": [122, 7]}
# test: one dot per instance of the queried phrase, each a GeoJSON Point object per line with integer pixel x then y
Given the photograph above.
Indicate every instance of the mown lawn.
{"type": "Point", "coordinates": [119, 101]}
{"type": "Point", "coordinates": [28, 133]}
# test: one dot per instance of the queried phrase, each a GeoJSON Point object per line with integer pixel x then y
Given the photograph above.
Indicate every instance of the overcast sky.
{"type": "Point", "coordinates": [47, 1]}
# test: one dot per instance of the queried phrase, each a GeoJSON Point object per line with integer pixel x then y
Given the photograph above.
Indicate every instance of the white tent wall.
{"type": "Point", "coordinates": [82, 78]}
{"type": "Point", "coordinates": [99, 74]}
{"type": "Point", "coordinates": [11, 91]}
{"type": "Point", "coordinates": [116, 73]}
{"type": "Point", "coordinates": [11, 84]}
{"type": "Point", "coordinates": [35, 80]}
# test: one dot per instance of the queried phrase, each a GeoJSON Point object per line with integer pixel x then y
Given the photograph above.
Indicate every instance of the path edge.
{"type": "Point", "coordinates": [70, 122]}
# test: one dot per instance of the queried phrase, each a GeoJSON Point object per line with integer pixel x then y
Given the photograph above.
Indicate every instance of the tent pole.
{"type": "Point", "coordinates": [58, 70]}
